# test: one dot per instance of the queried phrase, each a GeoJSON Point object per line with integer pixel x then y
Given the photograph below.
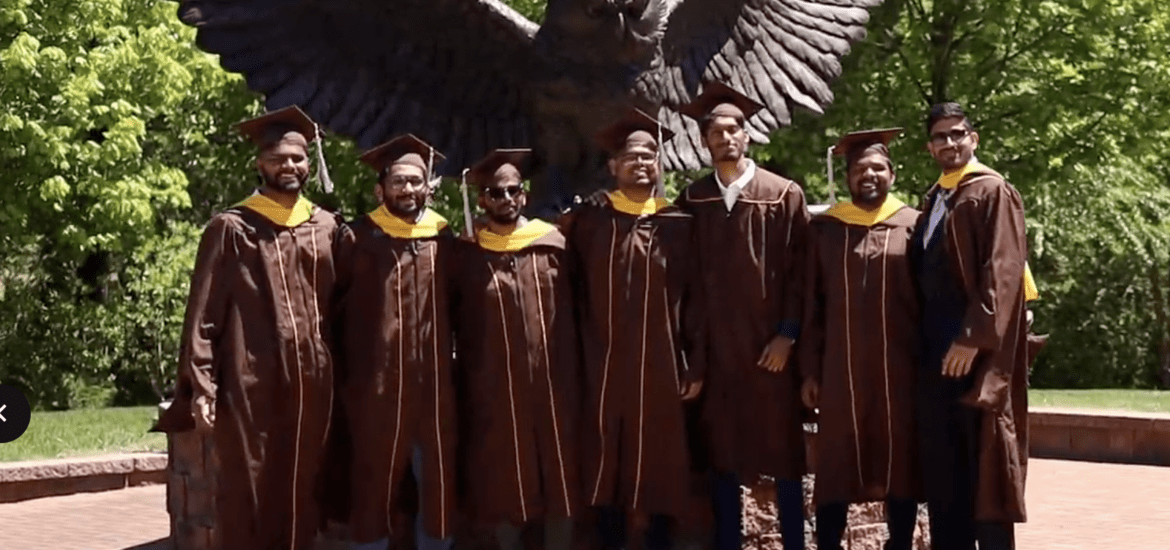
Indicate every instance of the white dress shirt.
{"type": "Point", "coordinates": [731, 192]}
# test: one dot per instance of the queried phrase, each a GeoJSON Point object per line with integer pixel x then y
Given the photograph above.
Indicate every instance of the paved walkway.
{"type": "Point", "coordinates": [134, 518]}
{"type": "Point", "coordinates": [1082, 505]}
{"type": "Point", "coordinates": [1071, 505]}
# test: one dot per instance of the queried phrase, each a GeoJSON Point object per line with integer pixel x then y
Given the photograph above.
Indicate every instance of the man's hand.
{"type": "Point", "coordinates": [203, 409]}
{"type": "Point", "coordinates": [598, 198]}
{"type": "Point", "coordinates": [958, 360]}
{"type": "Point", "coordinates": [775, 355]}
{"type": "Point", "coordinates": [810, 393]}
{"type": "Point", "coordinates": [691, 390]}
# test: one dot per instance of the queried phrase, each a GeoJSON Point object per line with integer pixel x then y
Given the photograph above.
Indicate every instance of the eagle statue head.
{"type": "Point", "coordinates": [626, 31]}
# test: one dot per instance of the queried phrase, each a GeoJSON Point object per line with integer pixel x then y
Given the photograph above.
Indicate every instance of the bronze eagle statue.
{"type": "Point", "coordinates": [470, 76]}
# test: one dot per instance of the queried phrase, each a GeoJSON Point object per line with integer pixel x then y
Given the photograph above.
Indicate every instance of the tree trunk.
{"type": "Point", "coordinates": [1162, 317]}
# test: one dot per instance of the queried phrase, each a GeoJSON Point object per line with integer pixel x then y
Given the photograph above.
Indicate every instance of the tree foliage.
{"type": "Point", "coordinates": [1071, 102]}
{"type": "Point", "coordinates": [117, 145]}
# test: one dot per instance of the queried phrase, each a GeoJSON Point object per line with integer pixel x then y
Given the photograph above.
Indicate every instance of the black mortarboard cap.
{"type": "Point", "coordinates": [716, 94]}
{"type": "Point", "coordinates": [613, 139]}
{"type": "Point", "coordinates": [267, 129]}
{"type": "Point", "coordinates": [854, 141]}
{"type": "Point", "coordinates": [404, 149]}
{"type": "Point", "coordinates": [482, 172]}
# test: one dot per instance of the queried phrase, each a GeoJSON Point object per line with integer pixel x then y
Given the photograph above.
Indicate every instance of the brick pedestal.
{"type": "Point", "coordinates": [191, 473]}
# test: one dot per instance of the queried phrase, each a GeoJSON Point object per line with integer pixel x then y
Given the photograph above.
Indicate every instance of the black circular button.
{"type": "Point", "coordinates": [14, 413]}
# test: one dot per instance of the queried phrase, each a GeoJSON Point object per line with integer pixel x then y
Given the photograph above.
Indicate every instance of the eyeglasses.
{"type": "Point", "coordinates": [403, 181]}
{"type": "Point", "coordinates": [642, 158]}
{"type": "Point", "coordinates": [500, 193]}
{"type": "Point", "coordinates": [941, 138]}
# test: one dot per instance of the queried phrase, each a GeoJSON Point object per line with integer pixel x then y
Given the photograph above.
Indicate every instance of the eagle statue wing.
{"type": "Point", "coordinates": [451, 72]}
{"type": "Point", "coordinates": [782, 53]}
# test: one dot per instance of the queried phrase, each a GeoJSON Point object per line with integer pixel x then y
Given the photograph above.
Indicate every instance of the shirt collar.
{"type": "Point", "coordinates": [741, 181]}
{"type": "Point", "coordinates": [731, 192]}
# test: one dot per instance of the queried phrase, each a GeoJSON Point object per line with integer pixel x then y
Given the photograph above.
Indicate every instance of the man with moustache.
{"type": "Point", "coordinates": [254, 367]}
{"type": "Point", "coordinates": [861, 297]}
{"type": "Point", "coordinates": [517, 368]}
{"type": "Point", "coordinates": [750, 226]}
{"type": "Point", "coordinates": [394, 375]}
{"type": "Point", "coordinates": [972, 384]}
{"type": "Point", "coordinates": [641, 331]}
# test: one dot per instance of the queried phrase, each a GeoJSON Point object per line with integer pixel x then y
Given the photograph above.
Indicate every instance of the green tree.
{"type": "Point", "coordinates": [1070, 99]}
{"type": "Point", "coordinates": [110, 115]}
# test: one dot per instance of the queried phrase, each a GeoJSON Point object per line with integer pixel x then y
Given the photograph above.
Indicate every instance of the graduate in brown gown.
{"type": "Point", "coordinates": [640, 323]}
{"type": "Point", "coordinates": [517, 369]}
{"type": "Point", "coordinates": [395, 370]}
{"type": "Point", "coordinates": [859, 346]}
{"type": "Point", "coordinates": [750, 226]}
{"type": "Point", "coordinates": [971, 250]}
{"type": "Point", "coordinates": [254, 367]}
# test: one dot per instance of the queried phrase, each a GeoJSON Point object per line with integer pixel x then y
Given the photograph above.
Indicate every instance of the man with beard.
{"type": "Point", "coordinates": [640, 325]}
{"type": "Point", "coordinates": [395, 369]}
{"type": "Point", "coordinates": [254, 367]}
{"type": "Point", "coordinates": [861, 297]}
{"type": "Point", "coordinates": [972, 386]}
{"type": "Point", "coordinates": [517, 366]}
{"type": "Point", "coordinates": [750, 226]}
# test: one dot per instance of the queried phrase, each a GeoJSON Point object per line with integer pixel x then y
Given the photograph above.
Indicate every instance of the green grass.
{"type": "Point", "coordinates": [82, 432]}
{"type": "Point", "coordinates": [99, 431]}
{"type": "Point", "coordinates": [1124, 400]}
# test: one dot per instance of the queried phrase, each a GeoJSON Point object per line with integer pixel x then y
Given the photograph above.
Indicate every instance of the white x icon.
{"type": "Point", "coordinates": [2, 407]}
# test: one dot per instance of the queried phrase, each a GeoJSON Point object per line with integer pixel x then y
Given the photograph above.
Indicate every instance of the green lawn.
{"type": "Point", "coordinates": [85, 432]}
{"type": "Point", "coordinates": [1125, 400]}
{"type": "Point", "coordinates": [98, 431]}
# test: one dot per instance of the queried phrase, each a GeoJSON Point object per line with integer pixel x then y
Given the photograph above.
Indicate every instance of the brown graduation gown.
{"type": "Point", "coordinates": [518, 381]}
{"type": "Point", "coordinates": [640, 321]}
{"type": "Point", "coordinates": [752, 269]}
{"type": "Point", "coordinates": [971, 277]}
{"type": "Point", "coordinates": [395, 375]}
{"type": "Point", "coordinates": [255, 338]}
{"type": "Point", "coordinates": [860, 341]}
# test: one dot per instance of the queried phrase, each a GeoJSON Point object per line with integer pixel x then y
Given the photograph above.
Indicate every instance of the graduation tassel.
{"type": "Point", "coordinates": [431, 179]}
{"type": "Point", "coordinates": [832, 186]}
{"type": "Point", "coordinates": [322, 170]}
{"type": "Point", "coordinates": [432, 182]}
{"type": "Point", "coordinates": [661, 186]}
{"type": "Point", "coordinates": [466, 204]}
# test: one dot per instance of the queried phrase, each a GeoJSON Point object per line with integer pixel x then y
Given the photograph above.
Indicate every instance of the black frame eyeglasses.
{"type": "Point", "coordinates": [957, 135]}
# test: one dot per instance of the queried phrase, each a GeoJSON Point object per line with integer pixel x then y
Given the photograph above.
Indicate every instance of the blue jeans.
{"type": "Point", "coordinates": [422, 540]}
{"type": "Point", "coordinates": [725, 499]}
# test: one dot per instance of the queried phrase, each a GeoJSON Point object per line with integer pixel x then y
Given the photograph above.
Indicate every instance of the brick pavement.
{"type": "Point", "coordinates": [1089, 505]}
{"type": "Point", "coordinates": [1072, 506]}
{"type": "Point", "coordinates": [134, 518]}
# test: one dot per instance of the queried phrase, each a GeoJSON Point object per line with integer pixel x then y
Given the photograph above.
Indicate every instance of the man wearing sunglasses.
{"type": "Point", "coordinates": [517, 366]}
{"type": "Point", "coordinates": [394, 377]}
{"type": "Point", "coordinates": [970, 251]}
{"type": "Point", "coordinates": [641, 325]}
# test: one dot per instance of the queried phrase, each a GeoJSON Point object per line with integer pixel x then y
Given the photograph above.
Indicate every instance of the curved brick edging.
{"type": "Point", "coordinates": [1099, 435]}
{"type": "Point", "coordinates": [65, 476]}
